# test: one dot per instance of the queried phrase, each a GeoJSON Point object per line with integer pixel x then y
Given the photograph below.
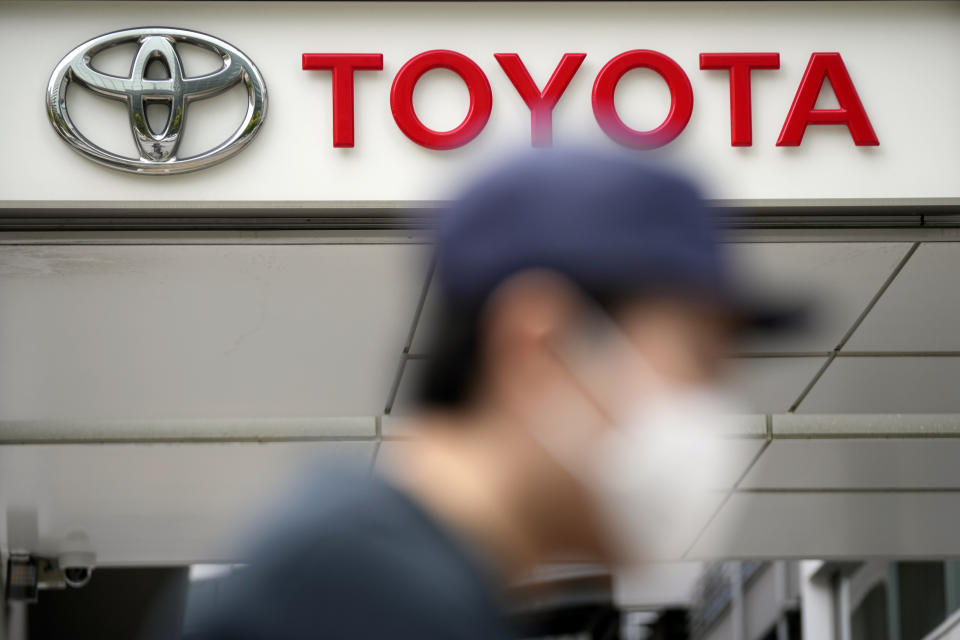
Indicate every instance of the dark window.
{"type": "Point", "coordinates": [923, 598]}
{"type": "Point", "coordinates": [145, 603]}
{"type": "Point", "coordinates": [869, 619]}
{"type": "Point", "coordinates": [791, 620]}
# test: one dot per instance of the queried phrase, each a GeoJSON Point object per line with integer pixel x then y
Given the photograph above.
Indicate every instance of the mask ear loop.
{"type": "Point", "coordinates": [565, 442]}
{"type": "Point", "coordinates": [579, 354]}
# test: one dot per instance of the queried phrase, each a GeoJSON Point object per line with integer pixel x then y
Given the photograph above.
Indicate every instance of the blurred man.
{"type": "Point", "coordinates": [567, 411]}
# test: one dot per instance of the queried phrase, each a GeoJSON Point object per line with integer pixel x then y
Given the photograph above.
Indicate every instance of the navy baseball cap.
{"type": "Point", "coordinates": [610, 223]}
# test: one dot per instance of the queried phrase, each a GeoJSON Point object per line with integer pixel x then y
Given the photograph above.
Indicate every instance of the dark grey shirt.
{"type": "Point", "coordinates": [358, 559]}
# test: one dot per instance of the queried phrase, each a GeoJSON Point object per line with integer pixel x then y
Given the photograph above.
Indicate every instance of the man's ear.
{"type": "Point", "coordinates": [518, 323]}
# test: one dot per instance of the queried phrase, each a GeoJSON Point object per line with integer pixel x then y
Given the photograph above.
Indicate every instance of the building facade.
{"type": "Point", "coordinates": [214, 266]}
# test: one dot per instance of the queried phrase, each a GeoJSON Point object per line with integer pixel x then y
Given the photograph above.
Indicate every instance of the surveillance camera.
{"type": "Point", "coordinates": [77, 568]}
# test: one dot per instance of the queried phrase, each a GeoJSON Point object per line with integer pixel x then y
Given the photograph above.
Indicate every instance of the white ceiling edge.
{"type": "Point", "coordinates": [331, 207]}
{"type": "Point", "coordinates": [783, 426]}
{"type": "Point", "coordinates": [751, 426]}
{"type": "Point", "coordinates": [883, 425]}
{"type": "Point", "coordinates": [186, 430]}
{"type": "Point", "coordinates": [424, 236]}
{"type": "Point", "coordinates": [203, 237]}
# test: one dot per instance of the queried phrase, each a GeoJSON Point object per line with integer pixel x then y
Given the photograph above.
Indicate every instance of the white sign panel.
{"type": "Point", "coordinates": [833, 102]}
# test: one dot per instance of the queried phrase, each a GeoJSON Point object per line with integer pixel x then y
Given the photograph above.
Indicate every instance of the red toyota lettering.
{"type": "Point", "coordinates": [740, 65]}
{"type": "Point", "coordinates": [343, 65]}
{"type": "Point", "coordinates": [681, 99]}
{"type": "Point", "coordinates": [540, 103]}
{"type": "Point", "coordinates": [802, 112]}
{"type": "Point", "coordinates": [401, 99]}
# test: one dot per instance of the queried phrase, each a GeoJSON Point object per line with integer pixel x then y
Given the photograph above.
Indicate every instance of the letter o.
{"type": "Point", "coordinates": [401, 99]}
{"type": "Point", "coordinates": [681, 99]}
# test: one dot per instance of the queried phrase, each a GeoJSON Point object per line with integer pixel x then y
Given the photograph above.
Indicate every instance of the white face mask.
{"type": "Point", "coordinates": [657, 475]}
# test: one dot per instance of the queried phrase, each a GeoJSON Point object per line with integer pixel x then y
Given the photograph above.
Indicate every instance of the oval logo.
{"type": "Point", "coordinates": [157, 150]}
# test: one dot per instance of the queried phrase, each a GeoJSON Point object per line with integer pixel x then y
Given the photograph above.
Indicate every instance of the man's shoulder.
{"type": "Point", "coordinates": [360, 521]}
{"type": "Point", "coordinates": [366, 532]}
{"type": "Point", "coordinates": [358, 558]}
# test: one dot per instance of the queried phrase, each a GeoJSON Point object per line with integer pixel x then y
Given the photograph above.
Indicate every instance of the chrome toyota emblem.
{"type": "Point", "coordinates": [157, 151]}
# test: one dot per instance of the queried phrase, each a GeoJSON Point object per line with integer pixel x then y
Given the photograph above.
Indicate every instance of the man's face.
{"type": "Point", "coordinates": [683, 340]}
{"type": "Point", "coordinates": [645, 350]}
{"type": "Point", "coordinates": [552, 349]}
{"type": "Point", "coordinates": [622, 393]}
